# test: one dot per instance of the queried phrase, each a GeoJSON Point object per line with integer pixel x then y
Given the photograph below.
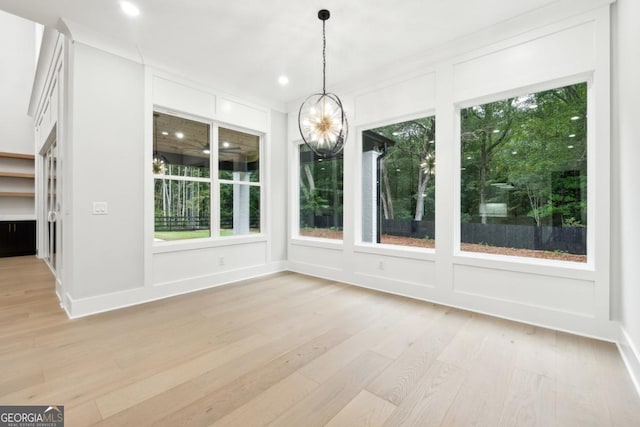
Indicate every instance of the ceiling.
{"type": "Point", "coordinates": [243, 46]}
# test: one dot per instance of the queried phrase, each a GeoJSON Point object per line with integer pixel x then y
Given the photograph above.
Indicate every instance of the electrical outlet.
{"type": "Point", "coordinates": [381, 265]}
{"type": "Point", "coordinates": [100, 208]}
{"type": "Point", "coordinates": [221, 260]}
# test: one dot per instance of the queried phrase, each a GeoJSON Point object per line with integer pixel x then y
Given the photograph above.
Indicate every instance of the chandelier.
{"type": "Point", "coordinates": [321, 119]}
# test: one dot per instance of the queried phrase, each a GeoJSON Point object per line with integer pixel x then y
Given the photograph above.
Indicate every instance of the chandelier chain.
{"type": "Point", "coordinates": [324, 59]}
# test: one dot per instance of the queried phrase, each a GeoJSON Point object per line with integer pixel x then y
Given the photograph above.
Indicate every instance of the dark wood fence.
{"type": "Point", "coordinates": [568, 239]}
{"type": "Point", "coordinates": [181, 223]}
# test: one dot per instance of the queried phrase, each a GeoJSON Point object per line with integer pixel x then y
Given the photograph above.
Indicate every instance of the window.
{"type": "Point", "coordinates": [524, 175]}
{"type": "Point", "coordinates": [398, 184]}
{"type": "Point", "coordinates": [239, 177]}
{"type": "Point", "coordinates": [182, 180]}
{"type": "Point", "coordinates": [320, 195]}
{"type": "Point", "coordinates": [185, 188]}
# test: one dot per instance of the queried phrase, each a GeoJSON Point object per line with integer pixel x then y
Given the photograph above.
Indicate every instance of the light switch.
{"type": "Point", "coordinates": [100, 208]}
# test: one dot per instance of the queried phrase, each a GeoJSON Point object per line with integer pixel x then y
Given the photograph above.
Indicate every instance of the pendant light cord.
{"type": "Point", "coordinates": [324, 59]}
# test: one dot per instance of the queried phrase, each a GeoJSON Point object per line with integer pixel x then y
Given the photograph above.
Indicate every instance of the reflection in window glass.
{"type": "Point", "coordinates": [398, 184]}
{"type": "Point", "coordinates": [239, 174]}
{"type": "Point", "coordinates": [239, 209]}
{"type": "Point", "coordinates": [524, 175]}
{"type": "Point", "coordinates": [320, 195]}
{"type": "Point", "coordinates": [238, 156]}
{"type": "Point", "coordinates": [182, 184]}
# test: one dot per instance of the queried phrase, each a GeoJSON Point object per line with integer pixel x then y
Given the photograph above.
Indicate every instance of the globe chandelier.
{"type": "Point", "coordinates": [321, 119]}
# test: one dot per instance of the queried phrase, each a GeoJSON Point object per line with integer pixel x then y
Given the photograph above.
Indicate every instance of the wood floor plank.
{"type": "Point", "coordinates": [396, 382]}
{"type": "Point", "coordinates": [615, 385]}
{"type": "Point", "coordinates": [130, 395]}
{"type": "Point", "coordinates": [327, 400]}
{"type": "Point", "coordinates": [432, 396]}
{"type": "Point", "coordinates": [531, 401]}
{"type": "Point", "coordinates": [267, 406]}
{"type": "Point", "coordinates": [213, 406]}
{"type": "Point", "coordinates": [365, 410]}
{"type": "Point", "coordinates": [484, 391]}
{"type": "Point", "coordinates": [153, 411]}
{"type": "Point", "coordinates": [292, 350]}
{"type": "Point", "coordinates": [85, 414]}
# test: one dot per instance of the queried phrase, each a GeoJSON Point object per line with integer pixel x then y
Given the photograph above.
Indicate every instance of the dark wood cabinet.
{"type": "Point", "coordinates": [17, 238]}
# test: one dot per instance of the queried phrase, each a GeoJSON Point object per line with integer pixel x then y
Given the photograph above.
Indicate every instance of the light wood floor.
{"type": "Point", "coordinates": [298, 351]}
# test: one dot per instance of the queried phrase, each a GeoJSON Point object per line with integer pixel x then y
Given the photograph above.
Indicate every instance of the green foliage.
{"type": "Point", "coordinates": [529, 153]}
{"type": "Point", "coordinates": [321, 184]}
{"type": "Point", "coordinates": [409, 165]}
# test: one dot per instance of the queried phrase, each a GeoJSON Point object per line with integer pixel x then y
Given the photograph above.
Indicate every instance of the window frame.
{"type": "Point", "coordinates": [215, 239]}
{"type": "Point", "coordinates": [592, 170]}
{"type": "Point", "coordinates": [295, 226]}
{"type": "Point", "coordinates": [361, 246]}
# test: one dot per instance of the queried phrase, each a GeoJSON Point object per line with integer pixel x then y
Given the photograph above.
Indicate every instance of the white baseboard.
{"type": "Point", "coordinates": [82, 307]}
{"type": "Point", "coordinates": [630, 356]}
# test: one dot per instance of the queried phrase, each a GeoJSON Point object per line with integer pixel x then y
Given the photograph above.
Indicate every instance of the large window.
{"type": "Point", "coordinates": [185, 205]}
{"type": "Point", "coordinates": [524, 175]}
{"type": "Point", "coordinates": [320, 195]}
{"type": "Point", "coordinates": [398, 184]}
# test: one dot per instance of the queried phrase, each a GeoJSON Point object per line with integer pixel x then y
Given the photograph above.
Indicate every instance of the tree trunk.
{"type": "Point", "coordinates": [423, 181]}
{"type": "Point", "coordinates": [387, 200]}
{"type": "Point", "coordinates": [483, 197]}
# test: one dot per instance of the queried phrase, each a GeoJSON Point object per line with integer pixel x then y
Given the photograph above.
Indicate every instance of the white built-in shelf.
{"type": "Point", "coordinates": [17, 186]}
{"type": "Point", "coordinates": [17, 194]}
{"type": "Point", "coordinates": [17, 175]}
{"type": "Point", "coordinates": [17, 155]}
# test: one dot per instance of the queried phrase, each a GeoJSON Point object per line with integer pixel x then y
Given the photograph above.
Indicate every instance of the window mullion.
{"type": "Point", "coordinates": [215, 183]}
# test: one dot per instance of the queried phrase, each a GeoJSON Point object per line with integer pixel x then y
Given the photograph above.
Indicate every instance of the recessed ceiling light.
{"type": "Point", "coordinates": [165, 133]}
{"type": "Point", "coordinates": [225, 144]}
{"type": "Point", "coordinates": [397, 170]}
{"type": "Point", "coordinates": [283, 80]}
{"type": "Point", "coordinates": [129, 8]}
{"type": "Point", "coordinates": [573, 135]}
{"type": "Point", "coordinates": [569, 146]}
{"type": "Point", "coordinates": [206, 151]}
{"type": "Point", "coordinates": [575, 117]}
{"type": "Point", "coordinates": [179, 135]}
{"type": "Point", "coordinates": [496, 131]}
{"type": "Point", "coordinates": [533, 106]}
{"type": "Point", "coordinates": [469, 157]}
{"type": "Point", "coordinates": [514, 152]}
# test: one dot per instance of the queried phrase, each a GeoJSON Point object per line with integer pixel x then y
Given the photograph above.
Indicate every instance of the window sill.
{"type": "Point", "coordinates": [211, 242]}
{"type": "Point", "coordinates": [317, 242]}
{"type": "Point", "coordinates": [568, 269]}
{"type": "Point", "coordinates": [398, 251]}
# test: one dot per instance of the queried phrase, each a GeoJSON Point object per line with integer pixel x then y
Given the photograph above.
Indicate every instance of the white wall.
{"type": "Point", "coordinates": [626, 175]}
{"type": "Point", "coordinates": [566, 296]}
{"type": "Point", "coordinates": [106, 149]}
{"type": "Point", "coordinates": [17, 67]}
{"type": "Point", "coordinates": [111, 260]}
{"type": "Point", "coordinates": [277, 189]}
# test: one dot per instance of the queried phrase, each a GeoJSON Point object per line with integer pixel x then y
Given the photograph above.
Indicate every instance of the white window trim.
{"type": "Point", "coordinates": [461, 255]}
{"type": "Point", "coordinates": [214, 181]}
{"type": "Point", "coordinates": [360, 246]}
{"type": "Point", "coordinates": [296, 237]}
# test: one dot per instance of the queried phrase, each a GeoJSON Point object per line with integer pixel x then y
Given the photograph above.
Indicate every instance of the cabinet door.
{"type": "Point", "coordinates": [6, 238]}
{"type": "Point", "coordinates": [25, 237]}
{"type": "Point", "coordinates": [17, 238]}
